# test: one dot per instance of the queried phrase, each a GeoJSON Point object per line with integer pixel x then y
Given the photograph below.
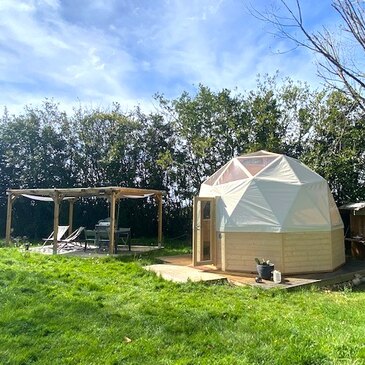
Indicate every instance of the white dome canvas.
{"type": "Point", "coordinates": [269, 192]}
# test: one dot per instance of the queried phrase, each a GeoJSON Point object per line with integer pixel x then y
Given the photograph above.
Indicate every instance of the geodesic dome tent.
{"type": "Point", "coordinates": [273, 206]}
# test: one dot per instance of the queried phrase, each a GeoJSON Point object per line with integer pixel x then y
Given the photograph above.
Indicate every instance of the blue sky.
{"type": "Point", "coordinates": [96, 52]}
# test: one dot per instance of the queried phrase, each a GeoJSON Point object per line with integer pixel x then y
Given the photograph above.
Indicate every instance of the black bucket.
{"type": "Point", "coordinates": [264, 271]}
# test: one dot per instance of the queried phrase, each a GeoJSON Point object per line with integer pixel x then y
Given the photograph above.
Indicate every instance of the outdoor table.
{"type": "Point", "coordinates": [102, 236]}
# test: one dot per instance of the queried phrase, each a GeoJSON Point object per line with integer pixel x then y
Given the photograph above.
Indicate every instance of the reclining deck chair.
{"type": "Point", "coordinates": [71, 239]}
{"type": "Point", "coordinates": [61, 232]}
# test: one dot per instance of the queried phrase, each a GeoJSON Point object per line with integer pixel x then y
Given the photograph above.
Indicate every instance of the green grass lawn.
{"type": "Point", "coordinates": [69, 310]}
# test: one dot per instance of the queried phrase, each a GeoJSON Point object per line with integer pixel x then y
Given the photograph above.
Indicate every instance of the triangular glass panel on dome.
{"type": "Point", "coordinates": [260, 153]}
{"type": "Point", "coordinates": [233, 172]}
{"type": "Point", "coordinates": [279, 170]}
{"type": "Point", "coordinates": [212, 179]}
{"type": "Point", "coordinates": [255, 164]}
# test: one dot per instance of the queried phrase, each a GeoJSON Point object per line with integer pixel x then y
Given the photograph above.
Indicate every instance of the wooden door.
{"type": "Point", "coordinates": [204, 245]}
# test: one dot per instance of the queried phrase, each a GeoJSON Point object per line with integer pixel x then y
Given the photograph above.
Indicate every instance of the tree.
{"type": "Point", "coordinates": [33, 150]}
{"type": "Point", "coordinates": [33, 154]}
{"type": "Point", "coordinates": [335, 147]}
{"type": "Point", "coordinates": [341, 57]}
{"type": "Point", "coordinates": [105, 151]}
{"type": "Point", "coordinates": [267, 125]}
{"type": "Point", "coordinates": [211, 127]}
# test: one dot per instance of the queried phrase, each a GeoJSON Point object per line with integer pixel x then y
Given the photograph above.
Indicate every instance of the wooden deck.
{"type": "Point", "coordinates": [183, 274]}
{"type": "Point", "coordinates": [78, 250]}
{"type": "Point", "coordinates": [343, 274]}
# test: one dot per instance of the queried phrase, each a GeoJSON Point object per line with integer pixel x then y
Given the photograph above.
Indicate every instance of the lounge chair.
{"type": "Point", "coordinates": [72, 238]}
{"type": "Point", "coordinates": [61, 232]}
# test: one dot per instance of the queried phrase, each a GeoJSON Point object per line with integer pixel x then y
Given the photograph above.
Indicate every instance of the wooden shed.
{"type": "Point", "coordinates": [354, 217]}
{"type": "Point", "coordinates": [270, 206]}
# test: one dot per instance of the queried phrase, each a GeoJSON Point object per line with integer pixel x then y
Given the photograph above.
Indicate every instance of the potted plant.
{"type": "Point", "coordinates": [264, 268]}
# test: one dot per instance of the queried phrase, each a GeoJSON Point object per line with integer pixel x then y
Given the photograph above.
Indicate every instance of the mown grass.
{"type": "Point", "coordinates": [68, 310]}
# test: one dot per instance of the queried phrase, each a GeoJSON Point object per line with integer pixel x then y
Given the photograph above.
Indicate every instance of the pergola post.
{"type": "Point", "coordinates": [195, 224]}
{"type": "Point", "coordinates": [70, 215]}
{"type": "Point", "coordinates": [159, 220]}
{"type": "Point", "coordinates": [9, 214]}
{"type": "Point", "coordinates": [56, 215]}
{"type": "Point", "coordinates": [112, 223]}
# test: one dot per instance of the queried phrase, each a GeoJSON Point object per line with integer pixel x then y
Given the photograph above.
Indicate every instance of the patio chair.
{"type": "Point", "coordinates": [72, 238]}
{"type": "Point", "coordinates": [102, 238]}
{"type": "Point", "coordinates": [90, 237]}
{"type": "Point", "coordinates": [124, 235]}
{"type": "Point", "coordinates": [61, 232]}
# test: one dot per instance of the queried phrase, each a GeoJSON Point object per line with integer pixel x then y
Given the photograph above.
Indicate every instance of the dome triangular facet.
{"type": "Point", "coordinates": [279, 170]}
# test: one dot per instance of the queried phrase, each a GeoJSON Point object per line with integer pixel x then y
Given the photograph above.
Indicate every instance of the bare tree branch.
{"type": "Point", "coordinates": [335, 68]}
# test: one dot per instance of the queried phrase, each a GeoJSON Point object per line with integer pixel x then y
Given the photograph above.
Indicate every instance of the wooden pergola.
{"type": "Point", "coordinates": [111, 193]}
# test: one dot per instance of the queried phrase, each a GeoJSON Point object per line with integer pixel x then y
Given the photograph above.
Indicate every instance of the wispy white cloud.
{"type": "Point", "coordinates": [50, 57]}
{"type": "Point", "coordinates": [98, 51]}
{"type": "Point", "coordinates": [219, 46]}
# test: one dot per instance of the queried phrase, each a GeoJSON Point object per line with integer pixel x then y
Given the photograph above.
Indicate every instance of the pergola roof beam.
{"type": "Point", "coordinates": [87, 192]}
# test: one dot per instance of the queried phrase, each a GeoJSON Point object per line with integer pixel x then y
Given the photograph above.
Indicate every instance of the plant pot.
{"type": "Point", "coordinates": [264, 271]}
